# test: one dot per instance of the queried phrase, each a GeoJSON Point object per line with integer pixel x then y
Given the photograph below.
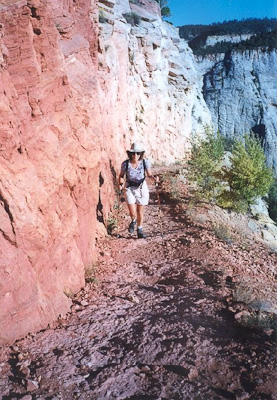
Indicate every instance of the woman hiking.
{"type": "Point", "coordinates": [136, 168]}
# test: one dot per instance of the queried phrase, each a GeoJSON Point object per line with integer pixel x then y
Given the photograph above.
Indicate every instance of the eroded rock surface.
{"type": "Point", "coordinates": [157, 324]}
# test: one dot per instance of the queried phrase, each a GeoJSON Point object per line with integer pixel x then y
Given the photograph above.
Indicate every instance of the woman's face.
{"type": "Point", "coordinates": [136, 156]}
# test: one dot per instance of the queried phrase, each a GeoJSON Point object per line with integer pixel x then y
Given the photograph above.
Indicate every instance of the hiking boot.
{"type": "Point", "coordinates": [132, 226]}
{"type": "Point", "coordinates": [140, 233]}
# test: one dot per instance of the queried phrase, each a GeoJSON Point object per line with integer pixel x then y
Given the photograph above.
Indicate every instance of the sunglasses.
{"type": "Point", "coordinates": [137, 153]}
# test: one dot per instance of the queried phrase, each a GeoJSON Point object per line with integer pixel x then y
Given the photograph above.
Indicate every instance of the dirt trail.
{"type": "Point", "coordinates": [156, 325]}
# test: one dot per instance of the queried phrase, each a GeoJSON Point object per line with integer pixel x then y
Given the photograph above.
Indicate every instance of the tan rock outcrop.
{"type": "Point", "coordinates": [71, 101]}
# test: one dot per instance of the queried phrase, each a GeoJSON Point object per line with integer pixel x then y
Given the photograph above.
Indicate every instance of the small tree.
{"type": "Point", "coordinates": [165, 10]}
{"type": "Point", "coordinates": [249, 177]}
{"type": "Point", "coordinates": [205, 165]}
{"type": "Point", "coordinates": [234, 187]}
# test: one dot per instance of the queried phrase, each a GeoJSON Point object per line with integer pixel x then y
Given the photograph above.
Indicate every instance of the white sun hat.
{"type": "Point", "coordinates": [136, 148]}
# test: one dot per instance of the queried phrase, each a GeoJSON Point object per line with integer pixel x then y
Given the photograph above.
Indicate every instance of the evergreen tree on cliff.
{"type": "Point", "coordinates": [165, 10]}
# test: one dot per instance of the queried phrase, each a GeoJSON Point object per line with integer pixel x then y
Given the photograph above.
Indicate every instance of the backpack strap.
{"type": "Point", "coordinates": [127, 166]}
{"type": "Point", "coordinates": [144, 166]}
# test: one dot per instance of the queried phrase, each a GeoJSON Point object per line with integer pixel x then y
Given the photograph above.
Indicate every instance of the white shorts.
{"type": "Point", "coordinates": [138, 195]}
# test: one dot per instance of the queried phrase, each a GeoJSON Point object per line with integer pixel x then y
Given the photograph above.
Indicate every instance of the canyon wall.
{"type": "Point", "coordinates": [74, 94]}
{"type": "Point", "coordinates": [240, 90]}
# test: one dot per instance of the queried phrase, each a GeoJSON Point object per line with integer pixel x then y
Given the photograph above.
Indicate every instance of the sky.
{"type": "Point", "coordinates": [186, 12]}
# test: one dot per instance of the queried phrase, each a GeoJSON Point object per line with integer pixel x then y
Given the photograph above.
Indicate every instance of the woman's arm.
{"type": "Point", "coordinates": [121, 175]}
{"type": "Point", "coordinates": [149, 175]}
{"type": "Point", "coordinates": [121, 180]}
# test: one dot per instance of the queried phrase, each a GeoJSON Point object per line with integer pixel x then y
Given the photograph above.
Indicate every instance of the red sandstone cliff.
{"type": "Point", "coordinates": [71, 101]}
{"type": "Point", "coordinates": [51, 149]}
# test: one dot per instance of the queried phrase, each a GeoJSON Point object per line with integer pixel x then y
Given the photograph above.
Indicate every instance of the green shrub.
{"type": "Point", "coordinates": [228, 143]}
{"type": "Point", "coordinates": [113, 217]}
{"type": "Point", "coordinates": [132, 18]}
{"type": "Point", "coordinates": [205, 165]}
{"type": "Point", "coordinates": [165, 10]}
{"type": "Point", "coordinates": [272, 201]}
{"type": "Point", "coordinates": [232, 201]}
{"type": "Point", "coordinates": [249, 177]}
{"type": "Point", "coordinates": [235, 187]}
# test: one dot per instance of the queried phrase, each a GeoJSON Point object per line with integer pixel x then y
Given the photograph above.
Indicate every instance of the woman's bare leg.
{"type": "Point", "coordinates": [140, 213]}
{"type": "Point", "coordinates": [132, 211]}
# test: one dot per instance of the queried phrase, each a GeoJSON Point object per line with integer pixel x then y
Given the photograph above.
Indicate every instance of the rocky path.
{"type": "Point", "coordinates": [155, 325]}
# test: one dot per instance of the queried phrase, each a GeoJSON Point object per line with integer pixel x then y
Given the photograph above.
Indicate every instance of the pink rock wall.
{"type": "Point", "coordinates": [51, 155]}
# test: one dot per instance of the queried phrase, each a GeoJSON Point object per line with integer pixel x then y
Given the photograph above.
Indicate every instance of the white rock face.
{"type": "Point", "coordinates": [241, 92]}
{"type": "Point", "coordinates": [153, 88]}
{"type": "Point", "coordinates": [212, 40]}
{"type": "Point", "coordinates": [206, 63]}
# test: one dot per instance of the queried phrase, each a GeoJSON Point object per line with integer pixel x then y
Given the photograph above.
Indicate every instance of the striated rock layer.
{"type": "Point", "coordinates": [71, 101]}
{"type": "Point", "coordinates": [50, 157]}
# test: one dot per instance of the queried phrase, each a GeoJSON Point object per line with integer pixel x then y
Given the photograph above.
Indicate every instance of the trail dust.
{"type": "Point", "coordinates": [157, 323]}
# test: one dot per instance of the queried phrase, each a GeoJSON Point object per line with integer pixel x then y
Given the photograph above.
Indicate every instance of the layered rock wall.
{"type": "Point", "coordinates": [72, 99]}
{"type": "Point", "coordinates": [50, 157]}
